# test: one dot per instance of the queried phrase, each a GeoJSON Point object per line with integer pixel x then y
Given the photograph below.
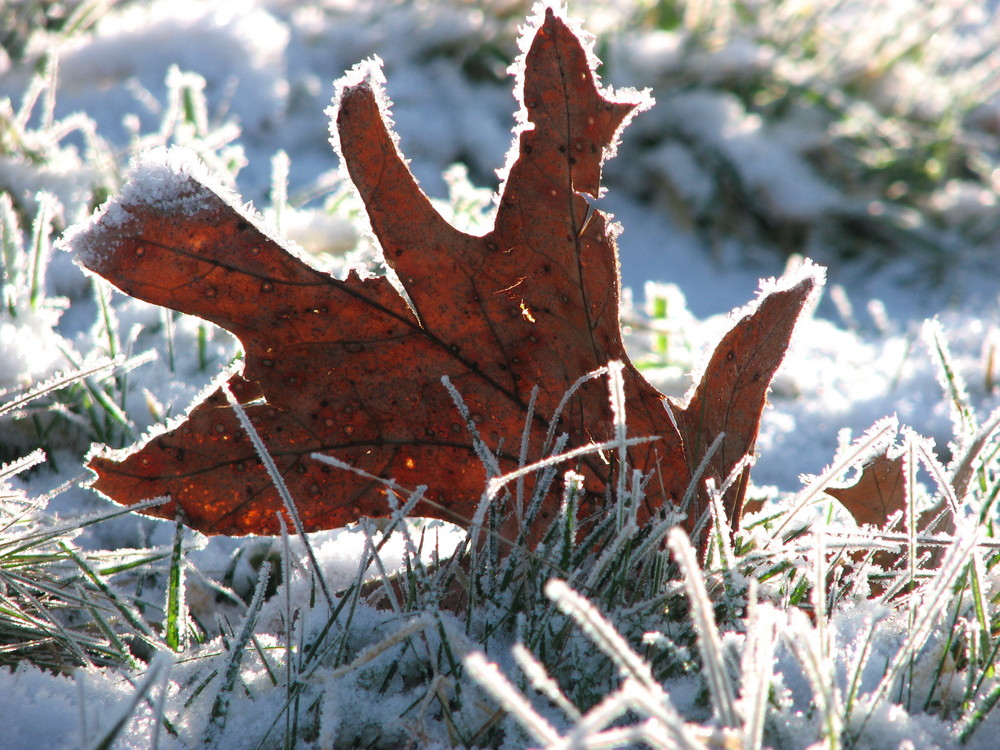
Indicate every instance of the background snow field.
{"type": "Point", "coordinates": [861, 135]}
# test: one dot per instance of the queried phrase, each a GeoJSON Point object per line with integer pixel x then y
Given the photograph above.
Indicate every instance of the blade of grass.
{"type": "Point", "coordinates": [720, 687]}
{"type": "Point", "coordinates": [107, 740]}
{"type": "Point", "coordinates": [282, 488]}
{"type": "Point", "coordinates": [220, 706]}
{"type": "Point", "coordinates": [175, 610]}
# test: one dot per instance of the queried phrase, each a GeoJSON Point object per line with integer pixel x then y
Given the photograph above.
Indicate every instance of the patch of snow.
{"type": "Point", "coordinates": [682, 173]}
{"type": "Point", "coordinates": [780, 177]}
{"type": "Point", "coordinates": [962, 202]}
{"type": "Point", "coordinates": [29, 348]}
{"type": "Point", "coordinates": [121, 65]}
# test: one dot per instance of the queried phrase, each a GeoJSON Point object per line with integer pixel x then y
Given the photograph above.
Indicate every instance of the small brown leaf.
{"type": "Point", "coordinates": [879, 492]}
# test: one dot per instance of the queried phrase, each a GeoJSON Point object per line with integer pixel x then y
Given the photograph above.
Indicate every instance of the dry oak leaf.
{"type": "Point", "coordinates": [879, 493]}
{"type": "Point", "coordinates": [349, 369]}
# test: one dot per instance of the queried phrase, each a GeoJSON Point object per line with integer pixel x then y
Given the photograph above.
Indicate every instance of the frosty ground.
{"type": "Point", "coordinates": [268, 69]}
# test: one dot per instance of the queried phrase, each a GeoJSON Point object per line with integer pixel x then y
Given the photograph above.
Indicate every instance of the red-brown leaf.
{"type": "Point", "coordinates": [878, 493]}
{"type": "Point", "coordinates": [348, 368]}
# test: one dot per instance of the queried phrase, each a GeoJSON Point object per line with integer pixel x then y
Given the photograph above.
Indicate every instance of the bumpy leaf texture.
{"type": "Point", "coordinates": [350, 369]}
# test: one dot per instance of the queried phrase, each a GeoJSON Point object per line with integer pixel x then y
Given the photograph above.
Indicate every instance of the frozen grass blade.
{"type": "Point", "coordinates": [175, 609]}
{"type": "Point", "coordinates": [11, 251]}
{"type": "Point", "coordinates": [953, 384]}
{"type": "Point", "coordinates": [522, 457]}
{"type": "Point", "coordinates": [497, 483]}
{"type": "Point", "coordinates": [534, 670]}
{"type": "Point", "coordinates": [692, 488]}
{"type": "Point", "coordinates": [723, 532]}
{"type": "Point", "coordinates": [588, 731]}
{"type": "Point", "coordinates": [820, 649]}
{"type": "Point", "coordinates": [12, 469]}
{"type": "Point", "coordinates": [107, 740]}
{"type": "Point", "coordinates": [757, 668]}
{"type": "Point", "coordinates": [112, 412]}
{"type": "Point", "coordinates": [601, 632]}
{"type": "Point", "coordinates": [703, 618]}
{"type": "Point", "coordinates": [41, 246]}
{"type": "Point", "coordinates": [109, 321]}
{"type": "Point", "coordinates": [543, 484]}
{"type": "Point", "coordinates": [282, 488]}
{"type": "Point", "coordinates": [811, 651]}
{"type": "Point", "coordinates": [510, 698]}
{"type": "Point", "coordinates": [85, 15]}
{"type": "Point", "coordinates": [969, 725]}
{"type": "Point", "coordinates": [203, 347]}
{"type": "Point", "coordinates": [167, 316]}
{"type": "Point", "coordinates": [369, 557]}
{"type": "Point", "coordinates": [127, 612]}
{"type": "Point", "coordinates": [609, 556]}
{"type": "Point", "coordinates": [47, 622]}
{"type": "Point", "coordinates": [487, 459]}
{"type": "Point", "coordinates": [61, 381]}
{"type": "Point", "coordinates": [573, 490]}
{"type": "Point", "coordinates": [665, 728]}
{"type": "Point", "coordinates": [120, 651]}
{"type": "Point", "coordinates": [557, 414]}
{"type": "Point", "coordinates": [290, 626]}
{"type": "Point", "coordinates": [29, 539]}
{"type": "Point", "coordinates": [963, 467]}
{"type": "Point", "coordinates": [923, 449]}
{"type": "Point", "coordinates": [220, 706]}
{"type": "Point", "coordinates": [616, 391]}
{"type": "Point", "coordinates": [279, 188]}
{"type": "Point", "coordinates": [910, 478]}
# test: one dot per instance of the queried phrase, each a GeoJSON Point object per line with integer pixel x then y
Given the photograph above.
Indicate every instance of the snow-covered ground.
{"type": "Point", "coordinates": [267, 69]}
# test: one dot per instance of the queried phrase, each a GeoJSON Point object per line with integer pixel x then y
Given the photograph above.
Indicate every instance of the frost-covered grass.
{"type": "Point", "coordinates": [841, 130]}
{"type": "Point", "coordinates": [840, 127]}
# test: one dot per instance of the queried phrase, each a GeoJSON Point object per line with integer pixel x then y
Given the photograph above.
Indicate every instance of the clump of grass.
{"type": "Point", "coordinates": [762, 610]}
{"type": "Point", "coordinates": [50, 614]}
{"type": "Point", "coordinates": [20, 20]}
{"type": "Point", "coordinates": [846, 125]}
